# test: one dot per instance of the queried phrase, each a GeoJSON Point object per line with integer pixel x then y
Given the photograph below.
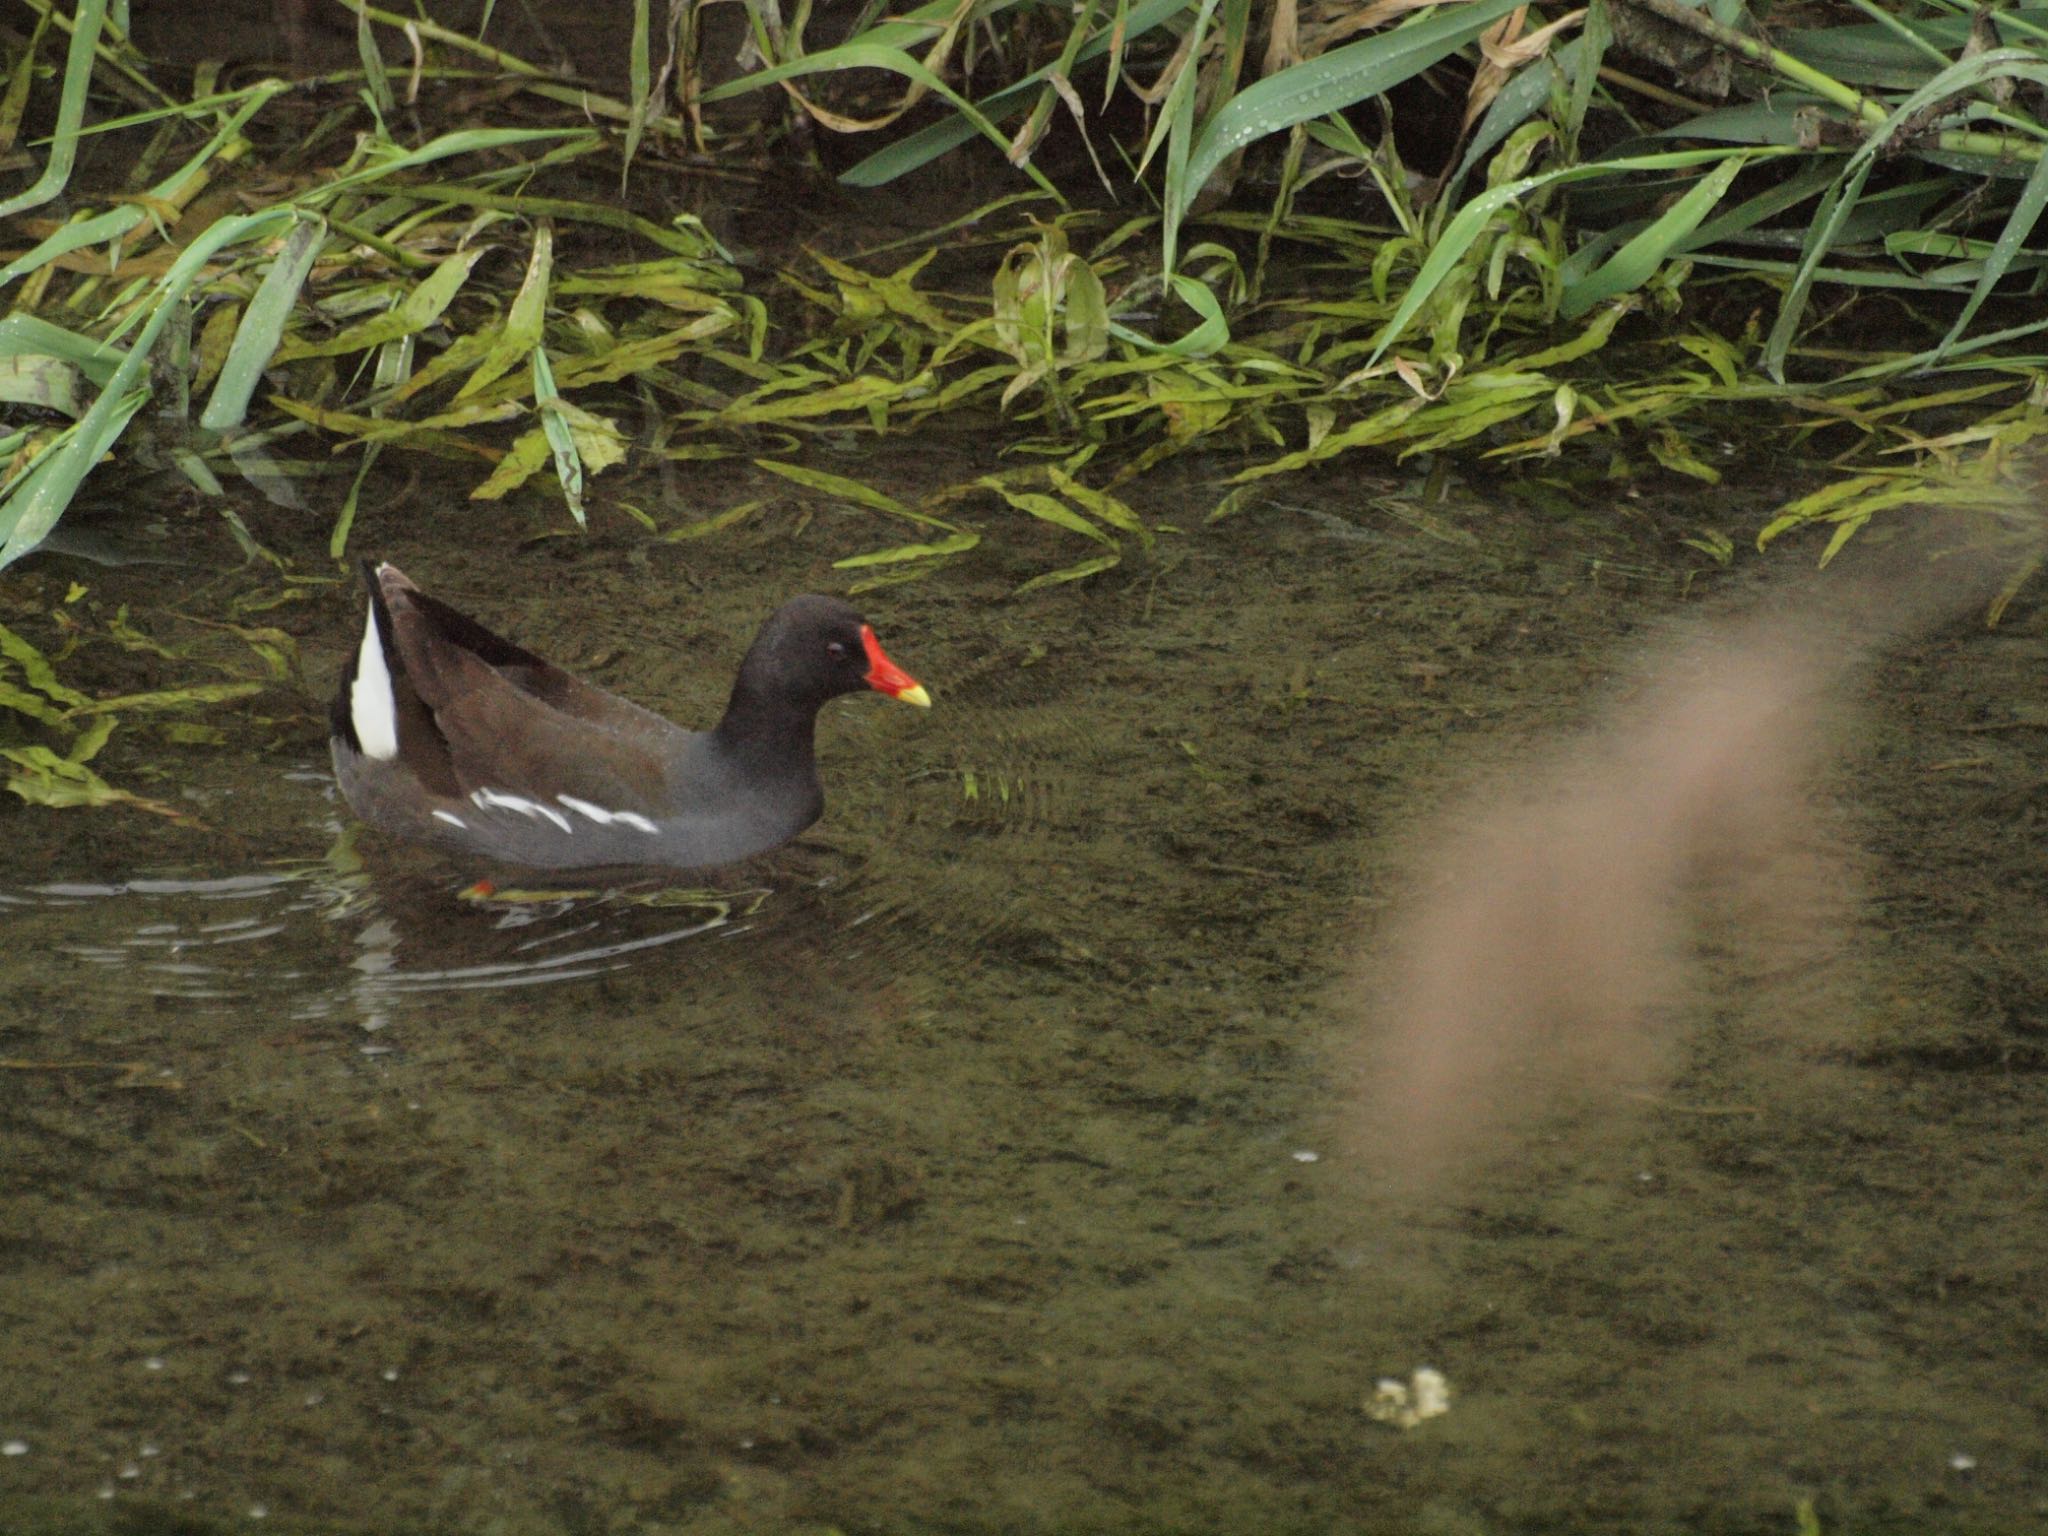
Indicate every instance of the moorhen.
{"type": "Point", "coordinates": [444, 732]}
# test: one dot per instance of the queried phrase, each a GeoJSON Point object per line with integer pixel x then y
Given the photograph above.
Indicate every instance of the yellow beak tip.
{"type": "Point", "coordinates": [915, 694]}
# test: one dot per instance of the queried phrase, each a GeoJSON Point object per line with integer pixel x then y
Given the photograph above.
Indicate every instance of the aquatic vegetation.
{"type": "Point", "coordinates": [1461, 232]}
{"type": "Point", "coordinates": [1467, 313]}
{"type": "Point", "coordinates": [52, 733]}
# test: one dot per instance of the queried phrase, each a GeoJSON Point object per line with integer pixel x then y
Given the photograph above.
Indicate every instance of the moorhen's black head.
{"type": "Point", "coordinates": [815, 648]}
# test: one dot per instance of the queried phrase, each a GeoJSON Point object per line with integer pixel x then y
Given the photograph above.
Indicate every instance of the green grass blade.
{"type": "Point", "coordinates": [39, 380]}
{"type": "Point", "coordinates": [952, 544]}
{"type": "Point", "coordinates": [2026, 212]}
{"type": "Point", "coordinates": [469, 141]}
{"type": "Point", "coordinates": [376, 81]}
{"type": "Point", "coordinates": [1527, 92]}
{"type": "Point", "coordinates": [262, 327]}
{"type": "Point", "coordinates": [1336, 80]}
{"type": "Point", "coordinates": [1472, 220]}
{"type": "Point", "coordinates": [38, 500]}
{"type": "Point", "coordinates": [1637, 261]}
{"type": "Point", "coordinates": [98, 229]}
{"type": "Point", "coordinates": [555, 424]}
{"type": "Point", "coordinates": [640, 87]}
{"type": "Point", "coordinates": [35, 666]}
{"type": "Point", "coordinates": [716, 523]}
{"type": "Point", "coordinates": [1087, 568]}
{"type": "Point", "coordinates": [927, 144]}
{"type": "Point", "coordinates": [171, 698]}
{"type": "Point", "coordinates": [524, 321]}
{"type": "Point", "coordinates": [682, 237]}
{"type": "Point", "coordinates": [1805, 182]}
{"type": "Point", "coordinates": [1099, 503]}
{"type": "Point", "coordinates": [29, 336]}
{"type": "Point", "coordinates": [1843, 198]}
{"type": "Point", "coordinates": [1176, 129]}
{"type": "Point", "coordinates": [1876, 54]}
{"type": "Point", "coordinates": [851, 490]}
{"type": "Point", "coordinates": [849, 56]}
{"type": "Point", "coordinates": [14, 100]}
{"type": "Point", "coordinates": [423, 305]}
{"type": "Point", "coordinates": [345, 520]}
{"type": "Point", "coordinates": [91, 15]}
{"type": "Point", "coordinates": [109, 226]}
{"type": "Point", "coordinates": [1046, 509]}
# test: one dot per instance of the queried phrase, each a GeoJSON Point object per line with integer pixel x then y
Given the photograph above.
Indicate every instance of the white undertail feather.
{"type": "Point", "coordinates": [372, 708]}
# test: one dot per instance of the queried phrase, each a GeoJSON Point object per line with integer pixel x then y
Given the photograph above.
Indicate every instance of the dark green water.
{"type": "Point", "coordinates": [987, 1162]}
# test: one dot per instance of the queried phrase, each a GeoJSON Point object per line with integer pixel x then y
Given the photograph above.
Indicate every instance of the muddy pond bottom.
{"type": "Point", "coordinates": [986, 1160]}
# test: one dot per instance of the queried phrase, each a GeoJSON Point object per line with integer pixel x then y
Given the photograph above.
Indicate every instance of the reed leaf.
{"type": "Point", "coordinates": [262, 325]}
{"type": "Point", "coordinates": [87, 20]}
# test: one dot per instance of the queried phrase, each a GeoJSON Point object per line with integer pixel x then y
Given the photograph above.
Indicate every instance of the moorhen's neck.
{"type": "Point", "coordinates": [768, 719]}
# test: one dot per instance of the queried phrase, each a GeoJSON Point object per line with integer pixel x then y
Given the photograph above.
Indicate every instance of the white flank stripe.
{"type": "Point", "coordinates": [452, 819]}
{"type": "Point", "coordinates": [372, 709]}
{"type": "Point", "coordinates": [497, 799]}
{"type": "Point", "coordinates": [605, 818]}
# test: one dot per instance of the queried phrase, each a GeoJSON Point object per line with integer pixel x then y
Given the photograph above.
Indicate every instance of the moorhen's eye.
{"type": "Point", "coordinates": [835, 648]}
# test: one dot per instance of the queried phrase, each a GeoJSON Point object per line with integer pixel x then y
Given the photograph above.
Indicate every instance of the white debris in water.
{"type": "Point", "coordinates": [150, 1450]}
{"type": "Point", "coordinates": [258, 1511]}
{"type": "Point", "coordinates": [1389, 1401]}
{"type": "Point", "coordinates": [1425, 1395]}
{"type": "Point", "coordinates": [391, 1373]}
{"type": "Point", "coordinates": [14, 1448]}
{"type": "Point", "coordinates": [1306, 1156]}
{"type": "Point", "coordinates": [129, 1471]}
{"type": "Point", "coordinates": [1962, 1461]}
{"type": "Point", "coordinates": [106, 1490]}
{"type": "Point", "coordinates": [1432, 1393]}
{"type": "Point", "coordinates": [153, 1363]}
{"type": "Point", "coordinates": [238, 1378]}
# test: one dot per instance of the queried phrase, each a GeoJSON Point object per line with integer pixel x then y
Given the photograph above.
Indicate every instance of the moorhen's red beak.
{"type": "Point", "coordinates": [884, 676]}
